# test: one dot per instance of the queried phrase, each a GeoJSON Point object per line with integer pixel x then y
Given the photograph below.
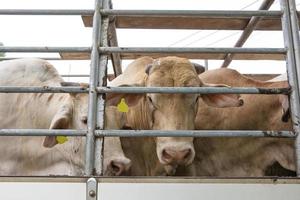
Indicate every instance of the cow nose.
{"type": "Point", "coordinates": [119, 167]}
{"type": "Point", "coordinates": [182, 157]}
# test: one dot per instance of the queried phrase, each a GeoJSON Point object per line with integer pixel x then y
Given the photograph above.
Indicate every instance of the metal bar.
{"type": "Point", "coordinates": [102, 72]}
{"type": "Point", "coordinates": [44, 49]}
{"type": "Point", "coordinates": [144, 50]}
{"type": "Point", "coordinates": [91, 189]}
{"type": "Point", "coordinates": [190, 50]}
{"type": "Point", "coordinates": [75, 75]}
{"type": "Point", "coordinates": [296, 46]}
{"type": "Point", "coordinates": [46, 89]}
{"type": "Point", "coordinates": [292, 73]}
{"type": "Point", "coordinates": [194, 13]}
{"type": "Point", "coordinates": [42, 132]}
{"type": "Point", "coordinates": [146, 133]}
{"type": "Point", "coordinates": [193, 133]}
{"type": "Point", "coordinates": [247, 31]}
{"type": "Point", "coordinates": [206, 64]}
{"type": "Point", "coordinates": [45, 12]}
{"type": "Point", "coordinates": [137, 90]}
{"type": "Point", "coordinates": [194, 90]}
{"type": "Point", "coordinates": [113, 42]}
{"type": "Point", "coordinates": [90, 140]}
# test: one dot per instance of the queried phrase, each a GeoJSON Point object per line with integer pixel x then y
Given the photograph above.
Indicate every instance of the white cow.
{"type": "Point", "coordinates": [28, 155]}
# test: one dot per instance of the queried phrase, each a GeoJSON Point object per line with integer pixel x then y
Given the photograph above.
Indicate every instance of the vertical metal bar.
{"type": "Point", "coordinates": [91, 189]}
{"type": "Point", "coordinates": [90, 139]}
{"type": "Point", "coordinates": [206, 65]}
{"type": "Point", "coordinates": [291, 72]}
{"type": "Point", "coordinates": [296, 42]}
{"type": "Point", "coordinates": [102, 76]}
{"type": "Point", "coordinates": [247, 32]}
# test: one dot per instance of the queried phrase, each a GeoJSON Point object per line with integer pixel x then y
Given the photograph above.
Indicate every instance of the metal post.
{"type": "Point", "coordinates": [247, 31]}
{"type": "Point", "coordinates": [206, 65]}
{"type": "Point", "coordinates": [296, 42]}
{"type": "Point", "coordinates": [292, 73]}
{"type": "Point", "coordinates": [100, 100]}
{"type": "Point", "coordinates": [90, 139]}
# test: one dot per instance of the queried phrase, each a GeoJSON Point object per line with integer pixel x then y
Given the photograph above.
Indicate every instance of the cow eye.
{"type": "Point", "coordinates": [84, 119]}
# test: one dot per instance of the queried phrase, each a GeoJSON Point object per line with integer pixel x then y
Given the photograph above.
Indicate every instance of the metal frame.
{"type": "Point", "coordinates": [99, 50]}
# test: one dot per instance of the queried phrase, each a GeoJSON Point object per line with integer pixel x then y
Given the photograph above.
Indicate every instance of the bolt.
{"type": "Point", "coordinates": [92, 193]}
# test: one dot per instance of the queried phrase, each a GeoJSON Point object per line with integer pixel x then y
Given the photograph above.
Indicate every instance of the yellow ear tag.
{"type": "Point", "coordinates": [122, 106]}
{"type": "Point", "coordinates": [61, 139]}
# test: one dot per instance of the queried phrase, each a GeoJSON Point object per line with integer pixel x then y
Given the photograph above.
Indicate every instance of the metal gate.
{"type": "Point", "coordinates": [100, 51]}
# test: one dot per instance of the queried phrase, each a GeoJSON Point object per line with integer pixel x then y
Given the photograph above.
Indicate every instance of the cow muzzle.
{"type": "Point", "coordinates": [173, 156]}
{"type": "Point", "coordinates": [117, 167]}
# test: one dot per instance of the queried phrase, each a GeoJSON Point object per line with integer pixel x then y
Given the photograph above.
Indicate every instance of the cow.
{"type": "Point", "coordinates": [242, 156]}
{"type": "Point", "coordinates": [167, 111]}
{"type": "Point", "coordinates": [28, 155]}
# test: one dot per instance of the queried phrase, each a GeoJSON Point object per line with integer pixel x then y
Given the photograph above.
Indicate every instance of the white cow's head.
{"type": "Point", "coordinates": [176, 111]}
{"type": "Point", "coordinates": [72, 114]}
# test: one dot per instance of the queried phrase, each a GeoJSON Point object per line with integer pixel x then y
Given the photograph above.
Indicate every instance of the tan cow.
{"type": "Point", "coordinates": [26, 155]}
{"type": "Point", "coordinates": [242, 156]}
{"type": "Point", "coordinates": [168, 111]}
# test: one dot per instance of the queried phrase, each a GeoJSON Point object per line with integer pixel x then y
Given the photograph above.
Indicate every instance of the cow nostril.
{"type": "Point", "coordinates": [187, 153]}
{"type": "Point", "coordinates": [117, 167]}
{"type": "Point", "coordinates": [167, 155]}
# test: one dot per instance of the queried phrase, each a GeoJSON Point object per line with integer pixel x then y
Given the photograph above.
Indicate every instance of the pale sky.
{"type": "Point", "coordinates": [70, 31]}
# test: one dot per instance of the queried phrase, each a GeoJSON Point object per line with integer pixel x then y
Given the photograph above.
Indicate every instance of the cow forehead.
{"type": "Point", "coordinates": [173, 72]}
{"type": "Point", "coordinates": [81, 103]}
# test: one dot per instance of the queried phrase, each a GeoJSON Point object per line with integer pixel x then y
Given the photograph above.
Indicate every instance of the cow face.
{"type": "Point", "coordinates": [177, 111]}
{"type": "Point", "coordinates": [73, 115]}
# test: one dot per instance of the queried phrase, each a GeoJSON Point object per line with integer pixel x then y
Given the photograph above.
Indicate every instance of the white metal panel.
{"type": "Point", "coordinates": [150, 191]}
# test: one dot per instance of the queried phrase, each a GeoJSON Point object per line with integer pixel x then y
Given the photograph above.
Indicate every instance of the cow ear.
{"type": "Point", "coordinates": [112, 99]}
{"type": "Point", "coordinates": [148, 68]}
{"type": "Point", "coordinates": [284, 101]}
{"type": "Point", "coordinates": [61, 120]}
{"type": "Point", "coordinates": [221, 100]}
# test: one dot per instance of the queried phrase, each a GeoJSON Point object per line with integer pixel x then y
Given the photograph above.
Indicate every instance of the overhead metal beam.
{"type": "Point", "coordinates": [247, 32]}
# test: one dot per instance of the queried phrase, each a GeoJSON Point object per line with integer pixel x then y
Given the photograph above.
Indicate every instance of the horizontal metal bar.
{"type": "Point", "coordinates": [41, 132]}
{"type": "Point", "coordinates": [147, 133]}
{"type": "Point", "coordinates": [193, 133]}
{"type": "Point", "coordinates": [24, 89]}
{"type": "Point", "coordinates": [190, 50]}
{"type": "Point", "coordinates": [194, 13]}
{"type": "Point", "coordinates": [145, 50]}
{"type": "Point", "coordinates": [75, 75]}
{"type": "Point", "coordinates": [136, 90]}
{"type": "Point", "coordinates": [45, 12]}
{"type": "Point", "coordinates": [44, 49]}
{"type": "Point", "coordinates": [194, 90]}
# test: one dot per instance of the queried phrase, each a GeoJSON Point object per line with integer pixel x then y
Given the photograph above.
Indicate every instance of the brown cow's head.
{"type": "Point", "coordinates": [176, 111]}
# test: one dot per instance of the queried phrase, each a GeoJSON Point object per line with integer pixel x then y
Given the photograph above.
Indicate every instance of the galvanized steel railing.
{"type": "Point", "coordinates": [99, 59]}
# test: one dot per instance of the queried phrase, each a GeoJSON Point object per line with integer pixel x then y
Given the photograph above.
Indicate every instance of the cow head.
{"type": "Point", "coordinates": [176, 111]}
{"type": "Point", "coordinates": [72, 114]}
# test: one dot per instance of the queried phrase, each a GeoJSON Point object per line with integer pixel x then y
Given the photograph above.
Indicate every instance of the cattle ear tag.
{"type": "Point", "coordinates": [61, 139]}
{"type": "Point", "coordinates": [122, 106]}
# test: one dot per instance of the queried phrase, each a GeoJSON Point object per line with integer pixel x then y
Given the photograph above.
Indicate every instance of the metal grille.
{"type": "Point", "coordinates": [100, 51]}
